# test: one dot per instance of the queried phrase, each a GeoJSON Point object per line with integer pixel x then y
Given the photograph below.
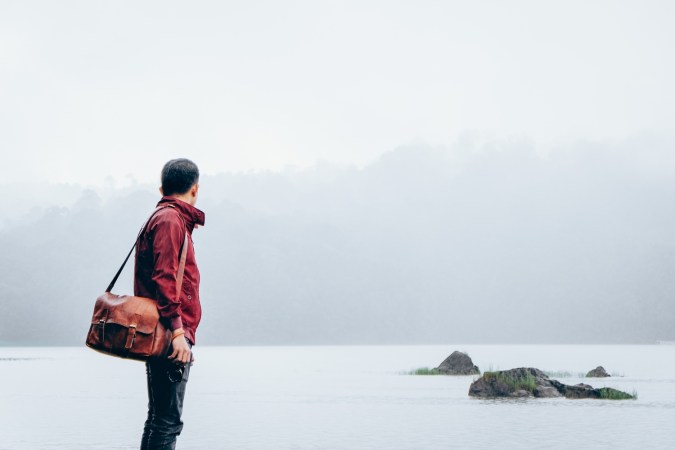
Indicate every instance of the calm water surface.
{"type": "Point", "coordinates": [338, 398]}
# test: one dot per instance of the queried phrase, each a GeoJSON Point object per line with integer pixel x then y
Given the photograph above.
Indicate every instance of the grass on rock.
{"type": "Point", "coordinates": [563, 374]}
{"type": "Point", "coordinates": [527, 382]}
{"type": "Point", "coordinates": [613, 394]}
{"type": "Point", "coordinates": [425, 371]}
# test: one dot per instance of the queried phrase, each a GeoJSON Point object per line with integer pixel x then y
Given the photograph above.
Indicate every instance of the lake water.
{"type": "Point", "coordinates": [337, 398]}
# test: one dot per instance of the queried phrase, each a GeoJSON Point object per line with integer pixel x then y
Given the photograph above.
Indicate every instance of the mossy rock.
{"type": "Point", "coordinates": [531, 382]}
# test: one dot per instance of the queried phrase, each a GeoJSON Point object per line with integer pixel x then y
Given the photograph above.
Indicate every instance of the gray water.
{"type": "Point", "coordinates": [340, 397]}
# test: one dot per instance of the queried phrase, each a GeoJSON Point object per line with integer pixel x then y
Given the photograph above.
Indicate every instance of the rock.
{"type": "Point", "coordinates": [598, 372]}
{"type": "Point", "coordinates": [458, 364]}
{"type": "Point", "coordinates": [521, 382]}
{"type": "Point", "coordinates": [531, 382]}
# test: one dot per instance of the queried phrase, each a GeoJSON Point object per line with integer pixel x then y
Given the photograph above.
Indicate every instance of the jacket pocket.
{"type": "Point", "coordinates": [187, 291]}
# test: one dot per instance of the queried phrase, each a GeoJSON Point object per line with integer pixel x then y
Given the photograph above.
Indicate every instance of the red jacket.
{"type": "Point", "coordinates": [157, 259]}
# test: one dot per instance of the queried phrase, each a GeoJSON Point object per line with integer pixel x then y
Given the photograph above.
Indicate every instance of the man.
{"type": "Point", "coordinates": [158, 253]}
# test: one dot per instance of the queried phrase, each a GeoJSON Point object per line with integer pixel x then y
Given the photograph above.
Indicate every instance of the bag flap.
{"type": "Point", "coordinates": [126, 310]}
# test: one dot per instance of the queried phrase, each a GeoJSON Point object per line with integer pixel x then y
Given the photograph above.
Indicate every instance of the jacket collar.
{"type": "Point", "coordinates": [192, 215]}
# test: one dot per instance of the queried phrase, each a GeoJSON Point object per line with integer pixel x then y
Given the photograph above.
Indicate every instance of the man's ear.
{"type": "Point", "coordinates": [161, 191]}
{"type": "Point", "coordinates": [194, 190]}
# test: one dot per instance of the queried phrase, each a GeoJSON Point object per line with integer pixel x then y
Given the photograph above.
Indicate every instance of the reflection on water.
{"type": "Point", "coordinates": [336, 397]}
{"type": "Point", "coordinates": [16, 359]}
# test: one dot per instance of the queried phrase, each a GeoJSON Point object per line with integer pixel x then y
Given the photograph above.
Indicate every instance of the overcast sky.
{"type": "Point", "coordinates": [90, 89]}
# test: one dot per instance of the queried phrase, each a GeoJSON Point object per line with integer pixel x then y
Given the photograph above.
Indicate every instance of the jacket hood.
{"type": "Point", "coordinates": [192, 215]}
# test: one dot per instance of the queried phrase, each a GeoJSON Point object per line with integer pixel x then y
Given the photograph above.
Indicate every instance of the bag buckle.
{"type": "Point", "coordinates": [131, 336]}
{"type": "Point", "coordinates": [101, 326]}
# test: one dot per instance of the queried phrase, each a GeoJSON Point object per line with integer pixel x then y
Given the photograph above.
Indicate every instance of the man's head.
{"type": "Point", "coordinates": [180, 179]}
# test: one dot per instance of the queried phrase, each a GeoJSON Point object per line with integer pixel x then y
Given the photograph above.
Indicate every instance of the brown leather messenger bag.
{"type": "Point", "coordinates": [127, 326]}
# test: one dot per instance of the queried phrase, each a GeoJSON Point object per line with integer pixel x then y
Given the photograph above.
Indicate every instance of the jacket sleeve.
{"type": "Point", "coordinates": [168, 233]}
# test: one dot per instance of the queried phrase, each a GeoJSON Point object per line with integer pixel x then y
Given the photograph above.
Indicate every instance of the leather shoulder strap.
{"type": "Point", "coordinates": [183, 258]}
{"type": "Point", "coordinates": [181, 265]}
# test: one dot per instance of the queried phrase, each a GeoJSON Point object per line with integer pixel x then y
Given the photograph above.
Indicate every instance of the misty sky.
{"type": "Point", "coordinates": [90, 89]}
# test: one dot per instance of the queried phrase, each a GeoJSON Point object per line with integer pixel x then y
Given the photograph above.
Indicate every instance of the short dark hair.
{"type": "Point", "coordinates": [178, 176]}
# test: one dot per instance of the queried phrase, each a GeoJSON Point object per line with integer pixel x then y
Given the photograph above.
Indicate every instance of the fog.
{"type": "Point", "coordinates": [478, 242]}
{"type": "Point", "coordinates": [372, 172]}
{"type": "Point", "coordinates": [96, 89]}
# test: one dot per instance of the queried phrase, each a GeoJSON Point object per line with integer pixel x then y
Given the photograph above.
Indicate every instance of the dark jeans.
{"type": "Point", "coordinates": [165, 406]}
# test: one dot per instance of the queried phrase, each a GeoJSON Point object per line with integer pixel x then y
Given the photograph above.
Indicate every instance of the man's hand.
{"type": "Point", "coordinates": [181, 350]}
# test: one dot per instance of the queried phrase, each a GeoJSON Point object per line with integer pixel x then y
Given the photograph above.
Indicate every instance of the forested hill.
{"type": "Point", "coordinates": [473, 244]}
